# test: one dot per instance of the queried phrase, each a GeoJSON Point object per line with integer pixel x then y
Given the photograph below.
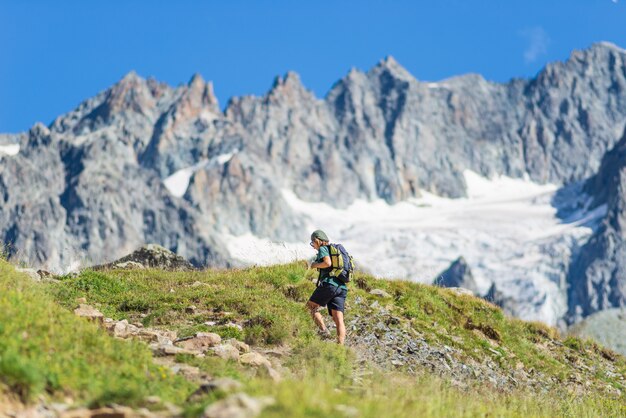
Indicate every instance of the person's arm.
{"type": "Point", "coordinates": [325, 263]}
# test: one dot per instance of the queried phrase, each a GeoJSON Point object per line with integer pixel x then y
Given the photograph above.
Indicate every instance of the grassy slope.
{"type": "Point", "coordinates": [46, 349]}
{"type": "Point", "coordinates": [268, 303]}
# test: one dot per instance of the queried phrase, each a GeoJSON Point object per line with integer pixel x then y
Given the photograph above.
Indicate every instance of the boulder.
{"type": "Point", "coordinates": [160, 349]}
{"type": "Point", "coordinates": [254, 359]}
{"type": "Point", "coordinates": [89, 312]}
{"type": "Point", "coordinates": [123, 329]}
{"type": "Point", "coordinates": [128, 265]}
{"type": "Point", "coordinates": [239, 345]}
{"type": "Point", "coordinates": [202, 341]}
{"type": "Point", "coordinates": [226, 352]}
{"type": "Point", "coordinates": [239, 405]}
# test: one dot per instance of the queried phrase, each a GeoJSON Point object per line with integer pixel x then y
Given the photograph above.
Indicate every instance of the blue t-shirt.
{"type": "Point", "coordinates": [325, 273]}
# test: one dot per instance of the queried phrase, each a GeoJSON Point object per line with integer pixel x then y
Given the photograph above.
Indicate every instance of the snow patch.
{"type": "Point", "coordinates": [9, 150]}
{"type": "Point", "coordinates": [178, 182]}
{"type": "Point", "coordinates": [252, 250]}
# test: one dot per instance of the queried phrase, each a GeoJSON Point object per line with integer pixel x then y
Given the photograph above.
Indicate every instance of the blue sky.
{"type": "Point", "coordinates": [55, 54]}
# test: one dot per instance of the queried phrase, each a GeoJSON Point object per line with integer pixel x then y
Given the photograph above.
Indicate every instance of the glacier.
{"type": "Point", "coordinates": [507, 229]}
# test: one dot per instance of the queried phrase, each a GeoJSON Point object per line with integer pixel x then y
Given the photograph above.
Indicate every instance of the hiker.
{"type": "Point", "coordinates": [330, 292]}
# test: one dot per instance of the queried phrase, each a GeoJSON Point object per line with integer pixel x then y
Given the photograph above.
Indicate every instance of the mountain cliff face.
{"type": "Point", "coordinates": [145, 162]}
{"type": "Point", "coordinates": [597, 276]}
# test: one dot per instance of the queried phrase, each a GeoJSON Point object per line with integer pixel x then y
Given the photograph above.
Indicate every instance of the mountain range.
{"type": "Point", "coordinates": [145, 162]}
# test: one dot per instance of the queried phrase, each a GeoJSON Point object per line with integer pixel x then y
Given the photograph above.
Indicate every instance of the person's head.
{"type": "Point", "coordinates": [319, 238]}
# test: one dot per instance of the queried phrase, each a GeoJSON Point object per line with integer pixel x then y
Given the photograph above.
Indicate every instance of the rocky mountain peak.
{"type": "Point", "coordinates": [129, 95]}
{"type": "Point", "coordinates": [290, 80]}
{"type": "Point", "coordinates": [289, 88]}
{"type": "Point", "coordinates": [389, 66]}
{"type": "Point", "coordinates": [590, 62]}
{"type": "Point", "coordinates": [196, 82]}
{"type": "Point", "coordinates": [39, 129]}
{"type": "Point", "coordinates": [38, 135]}
{"type": "Point", "coordinates": [606, 47]}
{"type": "Point", "coordinates": [198, 96]}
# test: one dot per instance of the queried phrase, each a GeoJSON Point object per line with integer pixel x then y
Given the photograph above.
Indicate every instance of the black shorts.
{"type": "Point", "coordinates": [331, 296]}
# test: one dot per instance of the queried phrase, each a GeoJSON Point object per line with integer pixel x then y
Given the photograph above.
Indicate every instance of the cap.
{"type": "Point", "coordinates": [319, 234]}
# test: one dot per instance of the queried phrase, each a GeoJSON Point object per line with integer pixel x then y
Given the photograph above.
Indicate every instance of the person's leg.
{"type": "Point", "coordinates": [316, 315]}
{"type": "Point", "coordinates": [341, 328]}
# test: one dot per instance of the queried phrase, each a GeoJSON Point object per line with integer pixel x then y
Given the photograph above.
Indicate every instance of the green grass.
{"type": "Point", "coordinates": [269, 304]}
{"type": "Point", "coordinates": [46, 349]}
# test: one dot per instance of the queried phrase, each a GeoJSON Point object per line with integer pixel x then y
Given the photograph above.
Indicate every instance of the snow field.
{"type": "Point", "coordinates": [506, 229]}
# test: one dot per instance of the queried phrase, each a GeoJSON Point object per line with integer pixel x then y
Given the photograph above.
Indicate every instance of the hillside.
{"type": "Point", "coordinates": [243, 342]}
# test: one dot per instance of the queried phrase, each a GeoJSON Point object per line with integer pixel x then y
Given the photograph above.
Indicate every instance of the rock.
{"type": "Point", "coordinates": [239, 345]}
{"type": "Point", "coordinates": [223, 384]}
{"type": "Point", "coordinates": [380, 293]}
{"type": "Point", "coordinates": [128, 265]}
{"type": "Point", "coordinates": [202, 341]}
{"type": "Point", "coordinates": [188, 372]}
{"type": "Point", "coordinates": [239, 405]}
{"type": "Point", "coordinates": [254, 359]}
{"type": "Point", "coordinates": [123, 329]}
{"type": "Point", "coordinates": [89, 312]}
{"type": "Point", "coordinates": [158, 336]}
{"type": "Point", "coordinates": [160, 349]}
{"type": "Point", "coordinates": [226, 352]}
{"type": "Point", "coordinates": [117, 411]}
{"type": "Point", "coordinates": [191, 309]}
{"type": "Point", "coordinates": [277, 352]}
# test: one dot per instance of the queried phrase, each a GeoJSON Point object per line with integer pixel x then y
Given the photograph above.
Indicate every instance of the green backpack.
{"type": "Point", "coordinates": [342, 263]}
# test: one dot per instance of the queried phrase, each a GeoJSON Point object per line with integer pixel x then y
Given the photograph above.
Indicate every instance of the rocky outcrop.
{"type": "Point", "coordinates": [458, 275]}
{"type": "Point", "coordinates": [150, 256]}
{"type": "Point", "coordinates": [597, 278]}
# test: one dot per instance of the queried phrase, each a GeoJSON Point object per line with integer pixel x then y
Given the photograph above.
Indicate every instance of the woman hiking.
{"type": "Point", "coordinates": [330, 292]}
